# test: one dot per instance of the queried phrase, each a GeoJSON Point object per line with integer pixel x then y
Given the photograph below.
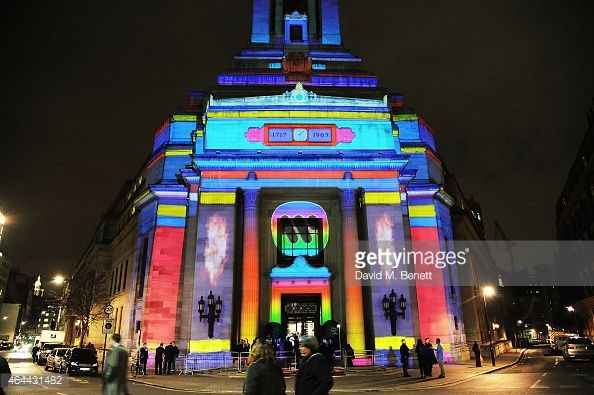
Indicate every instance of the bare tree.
{"type": "Point", "coordinates": [85, 296]}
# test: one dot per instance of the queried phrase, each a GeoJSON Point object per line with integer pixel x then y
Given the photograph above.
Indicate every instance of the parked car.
{"type": "Point", "coordinates": [6, 346]}
{"type": "Point", "coordinates": [80, 361]}
{"type": "Point", "coordinates": [578, 348]}
{"type": "Point", "coordinates": [44, 352]}
{"type": "Point", "coordinates": [54, 359]}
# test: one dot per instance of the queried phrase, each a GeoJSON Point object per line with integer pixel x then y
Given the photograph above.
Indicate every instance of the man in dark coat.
{"type": "Point", "coordinates": [34, 352]}
{"type": "Point", "coordinates": [404, 356]}
{"type": "Point", "coordinates": [476, 349]}
{"type": "Point", "coordinates": [159, 352]}
{"type": "Point", "coordinates": [314, 376]}
{"type": "Point", "coordinates": [171, 352]}
{"type": "Point", "coordinates": [429, 357]}
{"type": "Point", "coordinates": [143, 357]}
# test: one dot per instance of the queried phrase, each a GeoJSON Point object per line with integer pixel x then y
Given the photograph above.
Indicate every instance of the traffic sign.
{"type": "Point", "coordinates": [107, 326]}
{"type": "Point", "coordinates": [108, 309]}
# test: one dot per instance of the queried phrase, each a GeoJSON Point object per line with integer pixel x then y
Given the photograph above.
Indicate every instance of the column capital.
{"type": "Point", "coordinates": [250, 197]}
{"type": "Point", "coordinates": [347, 197]}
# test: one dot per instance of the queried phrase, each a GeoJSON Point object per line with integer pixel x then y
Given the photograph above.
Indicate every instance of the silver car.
{"type": "Point", "coordinates": [54, 359]}
{"type": "Point", "coordinates": [578, 348]}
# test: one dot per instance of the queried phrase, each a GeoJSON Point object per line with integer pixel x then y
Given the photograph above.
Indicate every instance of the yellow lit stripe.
{"type": "Point", "coordinates": [382, 197]}
{"type": "Point", "coordinates": [209, 345]}
{"type": "Point", "coordinates": [199, 133]}
{"type": "Point", "coordinates": [217, 198]}
{"type": "Point", "coordinates": [395, 342]}
{"type": "Point", "coordinates": [184, 118]}
{"type": "Point", "coordinates": [405, 117]}
{"type": "Point", "coordinates": [422, 211]}
{"type": "Point", "coordinates": [395, 132]}
{"type": "Point", "coordinates": [411, 150]}
{"type": "Point", "coordinates": [298, 114]}
{"type": "Point", "coordinates": [178, 152]}
{"type": "Point", "coordinates": [171, 211]}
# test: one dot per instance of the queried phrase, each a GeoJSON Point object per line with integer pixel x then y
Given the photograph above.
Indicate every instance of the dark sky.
{"type": "Point", "coordinates": [506, 86]}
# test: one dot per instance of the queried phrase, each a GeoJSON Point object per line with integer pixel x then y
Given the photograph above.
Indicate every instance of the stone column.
{"type": "Point", "coordinates": [251, 267]}
{"type": "Point", "coordinates": [355, 326]}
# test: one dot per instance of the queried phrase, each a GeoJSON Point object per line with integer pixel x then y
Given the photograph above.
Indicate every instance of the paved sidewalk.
{"type": "Point", "coordinates": [354, 381]}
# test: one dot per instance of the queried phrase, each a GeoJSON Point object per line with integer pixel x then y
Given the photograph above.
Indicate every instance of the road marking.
{"type": "Point", "coordinates": [535, 385]}
{"type": "Point", "coordinates": [569, 386]}
{"type": "Point", "coordinates": [544, 374]}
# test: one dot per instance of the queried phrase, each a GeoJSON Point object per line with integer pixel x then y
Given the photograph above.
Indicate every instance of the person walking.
{"type": "Point", "coordinates": [159, 352]}
{"type": "Point", "coordinates": [421, 351]}
{"type": "Point", "coordinates": [143, 357]}
{"type": "Point", "coordinates": [476, 349]}
{"type": "Point", "coordinates": [263, 376]}
{"type": "Point", "coordinates": [440, 358]}
{"type": "Point", "coordinates": [115, 369]}
{"type": "Point", "coordinates": [404, 356]}
{"type": "Point", "coordinates": [35, 352]}
{"type": "Point", "coordinates": [314, 376]}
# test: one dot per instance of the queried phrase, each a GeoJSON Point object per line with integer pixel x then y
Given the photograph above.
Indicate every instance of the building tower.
{"type": "Point", "coordinates": [264, 190]}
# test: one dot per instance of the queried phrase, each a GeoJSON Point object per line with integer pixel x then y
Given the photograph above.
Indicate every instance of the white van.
{"type": "Point", "coordinates": [559, 342]}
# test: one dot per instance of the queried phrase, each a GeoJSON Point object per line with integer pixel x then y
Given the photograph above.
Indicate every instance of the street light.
{"type": "Point", "coordinates": [389, 307]}
{"type": "Point", "coordinates": [489, 291]}
{"type": "Point", "coordinates": [214, 312]}
{"type": "Point", "coordinates": [571, 309]}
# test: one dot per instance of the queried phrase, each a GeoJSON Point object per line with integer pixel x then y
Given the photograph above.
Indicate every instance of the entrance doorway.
{"type": "Point", "coordinates": [301, 314]}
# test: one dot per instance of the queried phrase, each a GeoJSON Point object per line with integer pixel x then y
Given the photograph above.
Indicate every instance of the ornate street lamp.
{"type": "Point", "coordinates": [389, 306]}
{"type": "Point", "coordinates": [214, 312]}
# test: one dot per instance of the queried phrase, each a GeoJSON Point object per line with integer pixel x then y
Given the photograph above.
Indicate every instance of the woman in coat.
{"type": "Point", "coordinates": [263, 376]}
{"type": "Point", "coordinates": [421, 352]}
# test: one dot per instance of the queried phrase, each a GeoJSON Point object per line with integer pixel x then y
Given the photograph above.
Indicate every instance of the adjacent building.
{"type": "Point", "coordinates": [575, 221]}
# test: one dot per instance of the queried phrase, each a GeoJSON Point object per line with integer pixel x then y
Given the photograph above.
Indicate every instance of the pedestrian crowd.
{"type": "Point", "coordinates": [264, 376]}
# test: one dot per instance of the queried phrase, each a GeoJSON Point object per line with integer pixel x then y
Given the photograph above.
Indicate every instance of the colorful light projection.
{"type": "Point", "coordinates": [303, 225]}
{"type": "Point", "coordinates": [214, 269]}
{"type": "Point", "coordinates": [215, 250]}
{"type": "Point", "coordinates": [163, 283]}
{"type": "Point", "coordinates": [385, 223]}
{"type": "Point", "coordinates": [299, 134]}
{"type": "Point", "coordinates": [425, 238]}
{"type": "Point", "coordinates": [300, 278]}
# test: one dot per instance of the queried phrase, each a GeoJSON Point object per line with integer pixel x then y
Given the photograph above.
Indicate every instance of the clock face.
{"type": "Point", "coordinates": [300, 134]}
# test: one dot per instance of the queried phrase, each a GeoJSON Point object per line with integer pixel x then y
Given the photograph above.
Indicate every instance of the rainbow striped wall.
{"type": "Point", "coordinates": [160, 308]}
{"type": "Point", "coordinates": [425, 237]}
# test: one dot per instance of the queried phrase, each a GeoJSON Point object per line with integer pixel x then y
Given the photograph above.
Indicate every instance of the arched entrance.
{"type": "Point", "coordinates": [300, 297]}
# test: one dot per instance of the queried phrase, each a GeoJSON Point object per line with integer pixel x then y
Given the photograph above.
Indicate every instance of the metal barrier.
{"type": "Point", "coordinates": [353, 359]}
{"type": "Point", "coordinates": [204, 361]}
{"type": "Point", "coordinates": [286, 360]}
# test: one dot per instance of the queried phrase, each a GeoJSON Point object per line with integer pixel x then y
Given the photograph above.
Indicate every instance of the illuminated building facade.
{"type": "Point", "coordinates": [260, 190]}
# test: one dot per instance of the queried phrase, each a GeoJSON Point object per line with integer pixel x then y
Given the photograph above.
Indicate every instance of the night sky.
{"type": "Point", "coordinates": [505, 85]}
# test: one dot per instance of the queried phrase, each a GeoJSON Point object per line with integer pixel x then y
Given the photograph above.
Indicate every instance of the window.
{"type": "Point", "coordinates": [299, 236]}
